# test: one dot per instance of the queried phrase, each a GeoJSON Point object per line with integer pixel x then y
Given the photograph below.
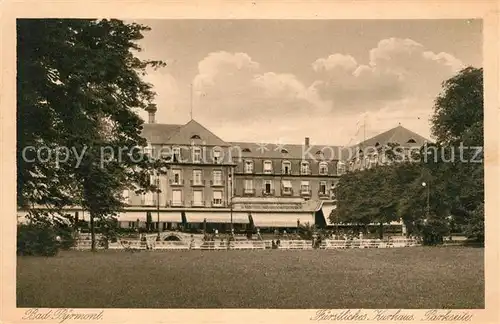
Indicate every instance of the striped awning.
{"type": "Point", "coordinates": [281, 219]}
{"type": "Point", "coordinates": [165, 216]}
{"type": "Point", "coordinates": [222, 217]}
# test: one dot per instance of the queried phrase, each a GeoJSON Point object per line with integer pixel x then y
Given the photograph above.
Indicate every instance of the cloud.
{"type": "Point", "coordinates": [239, 100]}
{"type": "Point", "coordinates": [397, 69]}
{"type": "Point", "coordinates": [335, 61]}
{"type": "Point", "coordinates": [232, 86]}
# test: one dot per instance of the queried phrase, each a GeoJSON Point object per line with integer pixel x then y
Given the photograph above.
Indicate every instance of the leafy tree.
{"type": "Point", "coordinates": [458, 110]}
{"type": "Point", "coordinates": [78, 87]}
{"type": "Point", "coordinates": [475, 224]}
{"type": "Point", "coordinates": [458, 126]}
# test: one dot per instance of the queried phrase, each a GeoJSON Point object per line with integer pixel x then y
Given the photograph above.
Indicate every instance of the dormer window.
{"type": "Point", "coordinates": [412, 141]}
{"type": "Point", "coordinates": [268, 167]}
{"type": "Point", "coordinates": [217, 156]}
{"type": "Point", "coordinates": [284, 151]}
{"type": "Point", "coordinates": [246, 150]}
{"type": "Point", "coordinates": [176, 154]}
{"type": "Point", "coordinates": [248, 166]}
{"type": "Point", "coordinates": [323, 168]}
{"type": "Point", "coordinates": [196, 137]}
{"type": "Point", "coordinates": [341, 168]}
{"type": "Point", "coordinates": [196, 155]}
{"type": "Point", "coordinates": [286, 167]}
{"type": "Point", "coordinates": [304, 168]}
{"type": "Point", "coordinates": [148, 149]}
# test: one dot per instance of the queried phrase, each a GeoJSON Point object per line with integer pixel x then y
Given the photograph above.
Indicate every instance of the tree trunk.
{"type": "Point", "coordinates": [381, 231]}
{"type": "Point", "coordinates": [92, 232]}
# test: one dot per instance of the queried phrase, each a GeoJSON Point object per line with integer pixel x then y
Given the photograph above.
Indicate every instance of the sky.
{"type": "Point", "coordinates": [279, 81]}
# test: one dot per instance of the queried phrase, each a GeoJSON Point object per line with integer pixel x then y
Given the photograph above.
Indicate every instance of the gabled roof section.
{"type": "Point", "coordinates": [400, 135]}
{"type": "Point", "coordinates": [185, 134]}
{"type": "Point", "coordinates": [159, 133]}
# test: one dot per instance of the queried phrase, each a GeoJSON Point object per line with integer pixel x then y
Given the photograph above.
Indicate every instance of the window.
{"type": "Point", "coordinates": [333, 190]}
{"type": "Point", "coordinates": [176, 197]}
{"type": "Point", "coordinates": [164, 153]}
{"type": "Point", "coordinates": [268, 187]}
{"type": "Point", "coordinates": [217, 198]}
{"type": "Point", "coordinates": [323, 168]}
{"type": "Point", "coordinates": [126, 196]}
{"type": "Point", "coordinates": [197, 177]}
{"type": "Point", "coordinates": [287, 167]}
{"type": "Point", "coordinates": [148, 150]}
{"type": "Point", "coordinates": [411, 140]}
{"type": "Point", "coordinates": [322, 187]}
{"type": "Point", "coordinates": [340, 168]}
{"type": "Point", "coordinates": [195, 137]}
{"type": "Point", "coordinates": [284, 151]}
{"type": "Point", "coordinates": [176, 177]}
{"type": "Point", "coordinates": [196, 155]}
{"type": "Point", "coordinates": [197, 198]}
{"type": "Point", "coordinates": [246, 150]}
{"type": "Point", "coordinates": [287, 187]}
{"type": "Point", "coordinates": [304, 187]}
{"type": "Point", "coordinates": [304, 167]}
{"type": "Point", "coordinates": [248, 185]}
{"type": "Point", "coordinates": [148, 199]}
{"type": "Point", "coordinates": [217, 156]}
{"type": "Point", "coordinates": [176, 154]}
{"type": "Point", "coordinates": [248, 166]}
{"type": "Point", "coordinates": [217, 177]}
{"type": "Point", "coordinates": [268, 166]}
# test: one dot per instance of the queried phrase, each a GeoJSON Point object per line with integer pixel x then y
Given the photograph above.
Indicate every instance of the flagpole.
{"type": "Point", "coordinates": [191, 102]}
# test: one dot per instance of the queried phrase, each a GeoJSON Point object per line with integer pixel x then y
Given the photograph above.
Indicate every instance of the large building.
{"type": "Point", "coordinates": [235, 184]}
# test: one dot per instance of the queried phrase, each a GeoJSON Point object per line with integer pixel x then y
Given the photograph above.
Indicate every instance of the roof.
{"type": "Point", "coordinates": [159, 133]}
{"type": "Point", "coordinates": [290, 151]}
{"type": "Point", "coordinates": [398, 135]}
{"type": "Point", "coordinates": [194, 131]}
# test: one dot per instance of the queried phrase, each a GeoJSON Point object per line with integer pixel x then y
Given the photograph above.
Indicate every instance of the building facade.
{"type": "Point", "coordinates": [241, 184]}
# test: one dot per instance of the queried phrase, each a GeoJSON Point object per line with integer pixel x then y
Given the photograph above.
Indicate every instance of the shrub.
{"type": "Point", "coordinates": [36, 239]}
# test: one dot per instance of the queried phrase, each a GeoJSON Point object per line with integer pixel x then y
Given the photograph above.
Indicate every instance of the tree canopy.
{"type": "Point", "coordinates": [451, 168]}
{"type": "Point", "coordinates": [79, 85]}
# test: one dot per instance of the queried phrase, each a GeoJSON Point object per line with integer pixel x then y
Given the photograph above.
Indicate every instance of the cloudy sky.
{"type": "Point", "coordinates": [282, 80]}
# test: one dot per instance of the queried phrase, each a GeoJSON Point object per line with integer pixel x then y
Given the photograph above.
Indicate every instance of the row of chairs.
{"type": "Point", "coordinates": [249, 245]}
{"type": "Point", "coordinates": [295, 245]}
{"type": "Point", "coordinates": [352, 244]}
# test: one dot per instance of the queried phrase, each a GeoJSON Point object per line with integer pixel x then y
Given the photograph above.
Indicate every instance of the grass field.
{"type": "Point", "coordinates": [419, 277]}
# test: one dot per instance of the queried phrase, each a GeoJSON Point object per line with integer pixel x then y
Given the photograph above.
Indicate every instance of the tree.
{"type": "Point", "coordinates": [458, 125]}
{"type": "Point", "coordinates": [78, 86]}
{"type": "Point", "coordinates": [458, 110]}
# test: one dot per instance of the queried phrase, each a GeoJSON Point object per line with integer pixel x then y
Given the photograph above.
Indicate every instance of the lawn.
{"type": "Point", "coordinates": [419, 277]}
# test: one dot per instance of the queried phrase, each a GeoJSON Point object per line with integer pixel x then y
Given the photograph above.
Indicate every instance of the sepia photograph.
{"type": "Point", "coordinates": [250, 164]}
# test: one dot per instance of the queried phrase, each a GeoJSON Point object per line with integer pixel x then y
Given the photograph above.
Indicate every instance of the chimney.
{"type": "Point", "coordinates": [151, 109]}
{"type": "Point", "coordinates": [307, 141]}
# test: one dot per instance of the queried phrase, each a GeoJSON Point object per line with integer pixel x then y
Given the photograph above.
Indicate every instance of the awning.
{"type": "Point", "coordinates": [327, 210]}
{"type": "Point", "coordinates": [165, 216]}
{"type": "Point", "coordinates": [281, 219]}
{"type": "Point", "coordinates": [287, 184]}
{"type": "Point", "coordinates": [222, 217]}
